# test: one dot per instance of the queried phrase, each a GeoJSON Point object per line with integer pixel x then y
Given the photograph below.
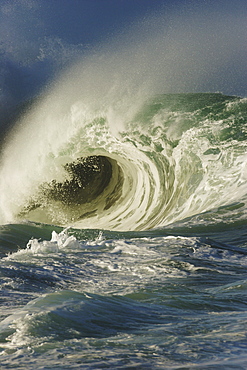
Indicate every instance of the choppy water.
{"type": "Point", "coordinates": [145, 266]}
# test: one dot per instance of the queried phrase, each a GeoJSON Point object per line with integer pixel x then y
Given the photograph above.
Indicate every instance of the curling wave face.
{"type": "Point", "coordinates": [92, 182]}
{"type": "Point", "coordinates": [176, 157]}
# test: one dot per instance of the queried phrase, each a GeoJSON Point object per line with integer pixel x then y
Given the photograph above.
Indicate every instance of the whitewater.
{"type": "Point", "coordinates": [123, 236]}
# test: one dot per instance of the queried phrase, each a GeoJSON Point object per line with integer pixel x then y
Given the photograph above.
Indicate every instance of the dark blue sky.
{"type": "Point", "coordinates": [90, 21]}
{"type": "Point", "coordinates": [39, 37]}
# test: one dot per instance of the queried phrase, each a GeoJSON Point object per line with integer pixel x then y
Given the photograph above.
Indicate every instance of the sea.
{"type": "Point", "coordinates": [123, 236]}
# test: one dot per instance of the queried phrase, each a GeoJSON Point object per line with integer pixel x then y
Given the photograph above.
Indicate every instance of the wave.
{"type": "Point", "coordinates": [176, 156]}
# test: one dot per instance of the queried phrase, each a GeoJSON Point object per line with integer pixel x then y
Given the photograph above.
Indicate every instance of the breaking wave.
{"type": "Point", "coordinates": [175, 157]}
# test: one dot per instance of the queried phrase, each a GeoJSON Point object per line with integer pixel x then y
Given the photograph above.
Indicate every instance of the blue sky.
{"type": "Point", "coordinates": [205, 40]}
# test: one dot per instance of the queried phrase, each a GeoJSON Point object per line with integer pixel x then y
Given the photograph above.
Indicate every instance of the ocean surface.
{"type": "Point", "coordinates": [123, 236]}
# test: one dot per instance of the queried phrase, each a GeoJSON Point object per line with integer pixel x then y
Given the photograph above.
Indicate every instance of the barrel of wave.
{"type": "Point", "coordinates": [113, 191]}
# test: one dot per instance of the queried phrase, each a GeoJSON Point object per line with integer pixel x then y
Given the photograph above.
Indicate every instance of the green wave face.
{"type": "Point", "coordinates": [176, 157]}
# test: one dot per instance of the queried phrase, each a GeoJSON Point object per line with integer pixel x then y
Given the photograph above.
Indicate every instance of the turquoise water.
{"type": "Point", "coordinates": [135, 257]}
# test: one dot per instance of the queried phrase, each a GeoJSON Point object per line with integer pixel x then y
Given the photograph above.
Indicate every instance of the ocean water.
{"type": "Point", "coordinates": [123, 240]}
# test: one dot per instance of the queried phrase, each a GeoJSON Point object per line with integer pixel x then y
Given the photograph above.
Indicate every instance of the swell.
{"type": "Point", "coordinates": [178, 156]}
